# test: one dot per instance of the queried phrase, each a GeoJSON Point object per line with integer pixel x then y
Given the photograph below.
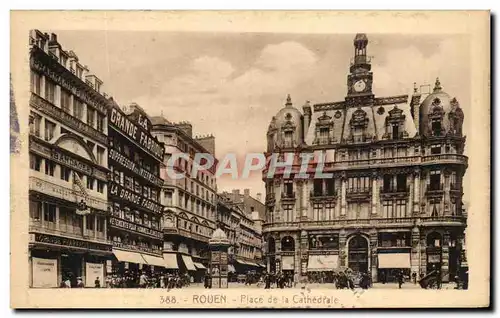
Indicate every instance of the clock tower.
{"type": "Point", "coordinates": [360, 78]}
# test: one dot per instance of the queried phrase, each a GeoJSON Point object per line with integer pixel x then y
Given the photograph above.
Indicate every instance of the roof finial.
{"type": "Point", "coordinates": [437, 86]}
{"type": "Point", "coordinates": [415, 90]}
{"type": "Point", "coordinates": [288, 100]}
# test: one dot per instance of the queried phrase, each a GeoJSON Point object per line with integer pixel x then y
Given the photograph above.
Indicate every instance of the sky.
{"type": "Point", "coordinates": [231, 84]}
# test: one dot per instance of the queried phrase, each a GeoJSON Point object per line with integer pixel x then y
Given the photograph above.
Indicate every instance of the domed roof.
{"type": "Point", "coordinates": [438, 103]}
{"type": "Point", "coordinates": [288, 119]}
{"type": "Point", "coordinates": [287, 115]}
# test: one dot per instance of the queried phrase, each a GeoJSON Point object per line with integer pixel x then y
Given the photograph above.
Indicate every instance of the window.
{"type": "Point", "coordinates": [35, 162]}
{"type": "Point", "coordinates": [288, 188]}
{"type": "Point", "coordinates": [401, 182]}
{"type": "Point", "coordinates": [288, 139]}
{"type": "Point", "coordinates": [436, 127]}
{"type": "Point", "coordinates": [100, 122]}
{"type": "Point", "coordinates": [90, 222]}
{"type": "Point", "coordinates": [395, 131]}
{"type": "Point", "coordinates": [388, 209]}
{"type": "Point", "coordinates": [77, 108]}
{"type": "Point", "coordinates": [79, 71]}
{"type": "Point", "coordinates": [36, 123]}
{"type": "Point", "coordinates": [100, 224]}
{"type": "Point", "coordinates": [49, 212]}
{"type": "Point", "coordinates": [49, 167]}
{"type": "Point", "coordinates": [288, 212]}
{"type": "Point", "coordinates": [64, 60]}
{"type": "Point", "coordinates": [318, 187]}
{"type": "Point", "coordinates": [50, 91]}
{"type": "Point", "coordinates": [100, 186]}
{"type": "Point", "coordinates": [91, 116]}
{"type": "Point", "coordinates": [50, 128]}
{"type": "Point", "coordinates": [100, 155]}
{"type": "Point", "coordinates": [65, 173]}
{"type": "Point", "coordinates": [400, 208]}
{"type": "Point", "coordinates": [435, 149]}
{"type": "Point", "coordinates": [330, 211]}
{"type": "Point", "coordinates": [35, 210]}
{"type": "Point", "coordinates": [90, 183]}
{"type": "Point", "coordinates": [36, 83]}
{"type": "Point", "coordinates": [65, 101]}
{"type": "Point", "coordinates": [388, 183]}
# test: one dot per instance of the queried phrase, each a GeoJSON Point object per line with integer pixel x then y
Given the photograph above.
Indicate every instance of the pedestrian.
{"type": "Point", "coordinates": [438, 278]}
{"type": "Point", "coordinates": [414, 277]}
{"type": "Point", "coordinates": [267, 280]}
{"type": "Point", "coordinates": [97, 283]}
{"type": "Point", "coordinates": [400, 278]}
{"type": "Point", "coordinates": [79, 282]}
{"type": "Point", "coordinates": [143, 280]}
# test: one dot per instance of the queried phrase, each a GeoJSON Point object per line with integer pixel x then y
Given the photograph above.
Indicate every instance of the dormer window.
{"type": "Point", "coordinates": [436, 127]}
{"type": "Point", "coordinates": [288, 139]}
{"type": "Point", "coordinates": [395, 131]}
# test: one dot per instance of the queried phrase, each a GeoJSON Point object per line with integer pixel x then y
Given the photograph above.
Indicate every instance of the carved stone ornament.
{"type": "Point", "coordinates": [359, 119]}
{"type": "Point", "coordinates": [381, 110]}
{"type": "Point", "coordinates": [338, 114]}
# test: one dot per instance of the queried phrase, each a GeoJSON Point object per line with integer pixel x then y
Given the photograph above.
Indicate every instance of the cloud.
{"type": "Point", "coordinates": [241, 103]}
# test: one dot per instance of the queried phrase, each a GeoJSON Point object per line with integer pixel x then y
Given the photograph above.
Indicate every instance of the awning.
{"type": "Point", "coordinates": [188, 262]}
{"type": "Point", "coordinates": [131, 257]}
{"type": "Point", "coordinates": [199, 265]}
{"type": "Point", "coordinates": [263, 265]}
{"type": "Point", "coordinates": [287, 263]}
{"type": "Point", "coordinates": [230, 269]}
{"type": "Point", "coordinates": [154, 260]}
{"type": "Point", "coordinates": [241, 262]}
{"type": "Point", "coordinates": [251, 264]}
{"type": "Point", "coordinates": [394, 260]}
{"type": "Point", "coordinates": [170, 261]}
{"type": "Point", "coordinates": [322, 263]}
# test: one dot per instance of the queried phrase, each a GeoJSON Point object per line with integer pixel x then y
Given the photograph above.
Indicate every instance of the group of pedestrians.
{"type": "Point", "coordinates": [139, 279]}
{"type": "Point", "coordinates": [280, 280]}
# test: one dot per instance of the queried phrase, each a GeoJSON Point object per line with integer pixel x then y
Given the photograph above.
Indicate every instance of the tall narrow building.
{"type": "Point", "coordinates": [391, 196]}
{"type": "Point", "coordinates": [135, 185]}
{"type": "Point", "coordinates": [68, 168]}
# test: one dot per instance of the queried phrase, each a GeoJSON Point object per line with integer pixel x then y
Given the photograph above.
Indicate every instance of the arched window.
{"type": "Point", "coordinates": [288, 244]}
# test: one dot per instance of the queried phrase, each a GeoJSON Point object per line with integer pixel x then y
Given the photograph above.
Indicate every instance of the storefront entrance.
{"type": "Point", "coordinates": [358, 254]}
{"type": "Point", "coordinates": [71, 267]}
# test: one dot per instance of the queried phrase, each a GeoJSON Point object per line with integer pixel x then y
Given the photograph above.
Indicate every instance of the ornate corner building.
{"type": "Point", "coordinates": [391, 197]}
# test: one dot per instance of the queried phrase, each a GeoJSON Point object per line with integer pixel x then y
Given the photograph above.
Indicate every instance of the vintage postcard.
{"type": "Point", "coordinates": [250, 159]}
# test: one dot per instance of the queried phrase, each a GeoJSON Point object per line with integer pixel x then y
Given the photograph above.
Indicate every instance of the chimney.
{"type": "Point", "coordinates": [259, 197]}
{"type": "Point", "coordinates": [236, 195]}
{"type": "Point", "coordinates": [307, 115]}
{"type": "Point", "coordinates": [246, 192]}
{"type": "Point", "coordinates": [186, 127]}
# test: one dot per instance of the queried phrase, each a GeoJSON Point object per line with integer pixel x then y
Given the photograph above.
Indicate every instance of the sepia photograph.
{"type": "Point", "coordinates": [242, 164]}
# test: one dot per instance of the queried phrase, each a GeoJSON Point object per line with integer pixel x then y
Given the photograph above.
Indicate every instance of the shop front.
{"type": "Point", "coordinates": [288, 264]}
{"type": "Point", "coordinates": [54, 259]}
{"type": "Point", "coordinates": [320, 268]}
{"type": "Point", "coordinates": [391, 263]}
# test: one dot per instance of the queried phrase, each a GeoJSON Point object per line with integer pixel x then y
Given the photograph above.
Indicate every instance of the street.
{"type": "Point", "coordinates": [328, 286]}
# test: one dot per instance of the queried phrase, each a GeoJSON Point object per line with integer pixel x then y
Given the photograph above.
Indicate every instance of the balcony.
{"type": "Point", "coordinates": [288, 196]}
{"type": "Point", "coordinates": [444, 220]}
{"type": "Point", "coordinates": [137, 248]}
{"type": "Point", "coordinates": [434, 190]}
{"type": "Point", "coordinates": [394, 192]}
{"type": "Point", "coordinates": [323, 141]}
{"type": "Point", "coordinates": [342, 223]}
{"type": "Point", "coordinates": [445, 159]}
{"type": "Point", "coordinates": [456, 189]}
{"type": "Point", "coordinates": [323, 195]}
{"type": "Point", "coordinates": [66, 230]}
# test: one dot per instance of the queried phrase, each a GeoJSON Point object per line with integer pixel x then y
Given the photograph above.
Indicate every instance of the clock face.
{"type": "Point", "coordinates": [359, 86]}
